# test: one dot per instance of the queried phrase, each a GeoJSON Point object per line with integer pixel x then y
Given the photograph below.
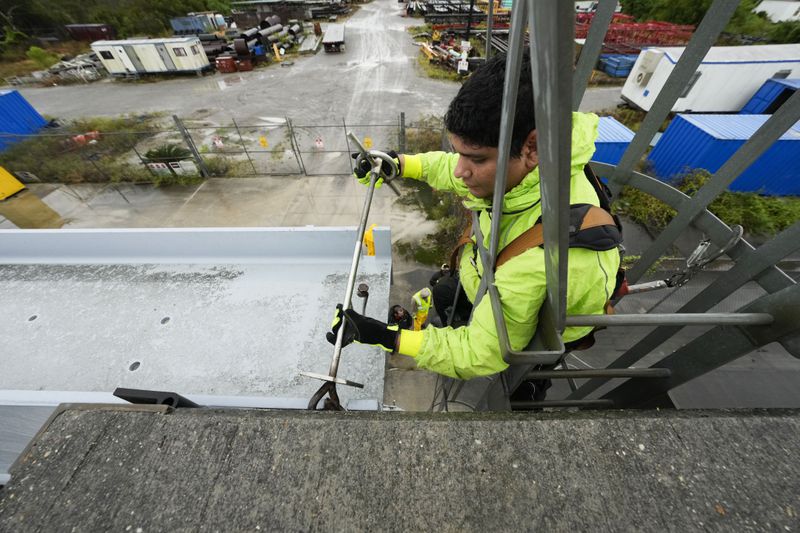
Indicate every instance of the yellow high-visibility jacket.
{"type": "Point", "coordinates": [474, 350]}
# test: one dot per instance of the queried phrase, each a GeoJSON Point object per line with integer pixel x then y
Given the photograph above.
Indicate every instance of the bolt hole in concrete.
{"type": "Point", "coordinates": [134, 366]}
{"type": "Point", "coordinates": [165, 320]}
{"type": "Point", "coordinates": [32, 318]}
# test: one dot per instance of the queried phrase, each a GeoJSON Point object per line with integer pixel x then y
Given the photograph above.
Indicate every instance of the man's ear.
{"type": "Point", "coordinates": [530, 153]}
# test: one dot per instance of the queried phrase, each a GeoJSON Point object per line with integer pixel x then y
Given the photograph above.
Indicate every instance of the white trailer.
{"type": "Point", "coordinates": [725, 80]}
{"type": "Point", "coordinates": [779, 10]}
{"type": "Point", "coordinates": [149, 56]}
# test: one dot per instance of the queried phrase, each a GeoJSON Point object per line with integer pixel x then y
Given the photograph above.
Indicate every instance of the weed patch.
{"type": "Point", "coordinates": [757, 214]}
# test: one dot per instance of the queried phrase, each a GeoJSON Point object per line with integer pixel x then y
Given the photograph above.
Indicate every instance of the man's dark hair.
{"type": "Point", "coordinates": [474, 114]}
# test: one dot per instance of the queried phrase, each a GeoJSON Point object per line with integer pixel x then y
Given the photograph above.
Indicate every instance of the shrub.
{"type": "Point", "coordinates": [42, 58]}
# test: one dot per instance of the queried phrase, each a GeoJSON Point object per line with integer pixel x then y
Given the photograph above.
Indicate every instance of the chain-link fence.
{"type": "Point", "coordinates": [161, 151]}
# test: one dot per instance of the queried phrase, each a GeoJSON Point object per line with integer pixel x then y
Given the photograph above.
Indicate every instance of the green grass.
{"type": "Point", "coordinates": [436, 71]}
{"type": "Point", "coordinates": [757, 214]}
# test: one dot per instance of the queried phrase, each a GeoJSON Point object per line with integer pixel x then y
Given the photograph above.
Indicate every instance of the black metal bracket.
{"type": "Point", "coordinates": [142, 396]}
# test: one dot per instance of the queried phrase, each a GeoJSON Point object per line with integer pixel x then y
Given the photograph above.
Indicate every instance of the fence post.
{"type": "Point", "coordinates": [402, 135]}
{"type": "Point", "coordinates": [347, 140]}
{"type": "Point", "coordinates": [241, 141]}
{"type": "Point", "coordinates": [201, 165]}
{"type": "Point", "coordinates": [296, 148]}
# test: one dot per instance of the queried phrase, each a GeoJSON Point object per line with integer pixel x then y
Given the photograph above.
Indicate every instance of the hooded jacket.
{"type": "Point", "coordinates": [474, 350]}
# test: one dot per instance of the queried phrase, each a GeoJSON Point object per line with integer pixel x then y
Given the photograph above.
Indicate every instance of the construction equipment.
{"type": "Point", "coordinates": [376, 160]}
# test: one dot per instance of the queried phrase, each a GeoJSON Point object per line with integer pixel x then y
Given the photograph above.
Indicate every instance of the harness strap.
{"type": "Point", "coordinates": [533, 237]}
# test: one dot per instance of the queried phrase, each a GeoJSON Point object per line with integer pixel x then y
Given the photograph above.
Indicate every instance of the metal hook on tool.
{"type": "Point", "coordinates": [376, 157]}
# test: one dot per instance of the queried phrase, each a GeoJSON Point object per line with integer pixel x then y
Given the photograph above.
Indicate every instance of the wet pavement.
{"type": "Point", "coordinates": [375, 79]}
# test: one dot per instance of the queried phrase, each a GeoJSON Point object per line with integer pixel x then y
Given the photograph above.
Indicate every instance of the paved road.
{"type": "Point", "coordinates": [374, 79]}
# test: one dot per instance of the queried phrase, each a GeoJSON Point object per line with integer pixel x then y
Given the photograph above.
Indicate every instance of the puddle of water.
{"type": "Point", "coordinates": [229, 82]}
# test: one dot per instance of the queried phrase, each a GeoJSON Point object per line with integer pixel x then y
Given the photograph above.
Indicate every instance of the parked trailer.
{"type": "Point", "coordinates": [191, 25]}
{"type": "Point", "coordinates": [90, 32]}
{"type": "Point", "coordinates": [334, 38]}
{"type": "Point", "coordinates": [148, 56]}
{"type": "Point", "coordinates": [708, 141]}
{"type": "Point", "coordinates": [725, 80]}
{"type": "Point", "coordinates": [771, 96]}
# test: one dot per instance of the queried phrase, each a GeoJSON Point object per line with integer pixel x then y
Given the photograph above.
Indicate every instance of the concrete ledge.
{"type": "Point", "coordinates": [190, 469]}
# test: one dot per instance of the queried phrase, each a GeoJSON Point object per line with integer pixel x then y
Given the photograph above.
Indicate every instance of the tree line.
{"type": "Point", "coordinates": [747, 22]}
{"type": "Point", "coordinates": [32, 18]}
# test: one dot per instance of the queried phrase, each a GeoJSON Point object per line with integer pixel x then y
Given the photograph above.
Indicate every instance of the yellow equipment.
{"type": "Point", "coordinates": [9, 185]}
{"type": "Point", "coordinates": [422, 300]}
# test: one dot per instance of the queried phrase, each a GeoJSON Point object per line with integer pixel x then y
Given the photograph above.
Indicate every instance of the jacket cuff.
{"type": "Point", "coordinates": [412, 166]}
{"type": "Point", "coordinates": [410, 342]}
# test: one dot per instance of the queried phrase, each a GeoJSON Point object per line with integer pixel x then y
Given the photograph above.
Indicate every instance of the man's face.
{"type": "Point", "coordinates": [477, 165]}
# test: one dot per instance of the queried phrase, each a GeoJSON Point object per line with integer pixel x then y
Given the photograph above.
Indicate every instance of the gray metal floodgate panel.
{"type": "Point", "coordinates": [221, 312]}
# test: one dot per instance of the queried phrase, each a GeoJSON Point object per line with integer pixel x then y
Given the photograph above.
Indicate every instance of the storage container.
{"type": "Point", "coordinates": [17, 116]}
{"type": "Point", "coordinates": [708, 141]}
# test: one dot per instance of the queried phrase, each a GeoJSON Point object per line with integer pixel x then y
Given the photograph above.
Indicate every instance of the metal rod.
{"type": "Point", "coordinates": [600, 373]}
{"type": "Point", "coordinates": [786, 116]}
{"type": "Point", "coordinates": [747, 266]}
{"type": "Point", "coordinates": [572, 386]}
{"type": "Point", "coordinates": [552, 27]}
{"type": "Point", "coordinates": [489, 24]}
{"type": "Point", "coordinates": [241, 141]}
{"type": "Point", "coordinates": [714, 21]}
{"type": "Point", "coordinates": [591, 49]}
{"type": "Point", "coordinates": [363, 293]}
{"type": "Point", "coordinates": [351, 277]}
{"type": "Point", "coordinates": [561, 403]}
{"type": "Point", "coordinates": [772, 279]}
{"type": "Point", "coordinates": [673, 319]}
{"type": "Point", "coordinates": [510, 90]}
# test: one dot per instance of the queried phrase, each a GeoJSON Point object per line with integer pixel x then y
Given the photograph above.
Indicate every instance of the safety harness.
{"type": "Point", "coordinates": [590, 227]}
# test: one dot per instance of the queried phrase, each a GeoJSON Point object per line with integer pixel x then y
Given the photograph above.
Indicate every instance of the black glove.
{"type": "Point", "coordinates": [363, 330]}
{"type": "Point", "coordinates": [361, 172]}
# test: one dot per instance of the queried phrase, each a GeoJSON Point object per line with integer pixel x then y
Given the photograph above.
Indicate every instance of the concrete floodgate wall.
{"type": "Point", "coordinates": [223, 316]}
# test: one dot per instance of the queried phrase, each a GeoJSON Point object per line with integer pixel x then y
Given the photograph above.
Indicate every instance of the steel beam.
{"type": "Point", "coordinates": [560, 403]}
{"type": "Point", "coordinates": [591, 49]}
{"type": "Point", "coordinates": [772, 279]}
{"type": "Point", "coordinates": [749, 266]}
{"type": "Point", "coordinates": [671, 319]}
{"type": "Point", "coordinates": [714, 21]}
{"type": "Point", "coordinates": [786, 116]}
{"type": "Point", "coordinates": [510, 91]}
{"type": "Point", "coordinates": [716, 348]}
{"type": "Point", "coordinates": [599, 373]}
{"type": "Point", "coordinates": [489, 27]}
{"type": "Point", "coordinates": [552, 27]}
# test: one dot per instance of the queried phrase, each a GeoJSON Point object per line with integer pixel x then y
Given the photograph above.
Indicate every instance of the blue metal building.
{"type": "Point", "coordinates": [770, 96]}
{"type": "Point", "coordinates": [17, 116]}
{"type": "Point", "coordinates": [612, 140]}
{"type": "Point", "coordinates": [708, 141]}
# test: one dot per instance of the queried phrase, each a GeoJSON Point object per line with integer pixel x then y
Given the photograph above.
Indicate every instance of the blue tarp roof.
{"type": "Point", "coordinates": [611, 130]}
{"type": "Point", "coordinates": [736, 127]}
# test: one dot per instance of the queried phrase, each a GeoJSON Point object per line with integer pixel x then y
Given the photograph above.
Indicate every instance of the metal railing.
{"type": "Point", "coordinates": [557, 92]}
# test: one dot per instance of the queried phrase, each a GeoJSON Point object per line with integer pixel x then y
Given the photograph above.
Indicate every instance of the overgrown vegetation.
{"type": "Point", "coordinates": [41, 58]}
{"type": "Point", "coordinates": [87, 150]}
{"type": "Point", "coordinates": [436, 71]}
{"type": "Point", "coordinates": [757, 214]}
{"type": "Point", "coordinates": [444, 207]}
{"type": "Point", "coordinates": [426, 136]}
{"type": "Point", "coordinates": [744, 20]}
{"type": "Point", "coordinates": [128, 17]}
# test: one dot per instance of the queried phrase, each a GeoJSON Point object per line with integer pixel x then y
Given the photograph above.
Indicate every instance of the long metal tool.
{"type": "Point", "coordinates": [376, 159]}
